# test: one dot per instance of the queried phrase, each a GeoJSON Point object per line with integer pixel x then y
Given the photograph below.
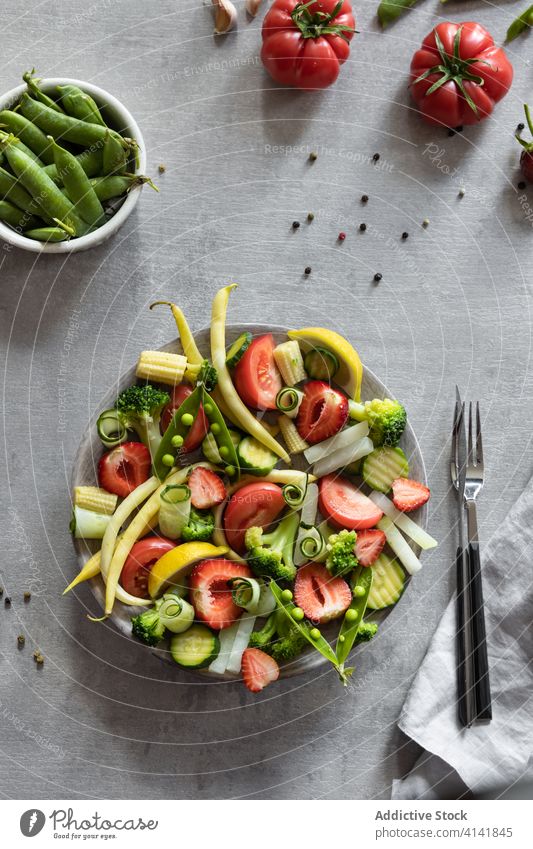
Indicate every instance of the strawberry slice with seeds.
{"type": "Point", "coordinates": [210, 594]}
{"type": "Point", "coordinates": [258, 669]}
{"type": "Point", "coordinates": [369, 545]}
{"type": "Point", "coordinates": [321, 596]}
{"type": "Point", "coordinates": [323, 412]}
{"type": "Point", "coordinates": [408, 495]}
{"type": "Point", "coordinates": [207, 489]}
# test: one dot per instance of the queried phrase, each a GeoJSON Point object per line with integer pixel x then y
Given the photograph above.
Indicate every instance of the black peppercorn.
{"type": "Point", "coordinates": [295, 225]}
{"type": "Point", "coordinates": [307, 269]}
{"type": "Point", "coordinates": [378, 277]}
{"type": "Point", "coordinates": [362, 227]}
{"type": "Point", "coordinates": [375, 157]}
{"type": "Point", "coordinates": [521, 185]}
{"type": "Point", "coordinates": [405, 235]}
{"type": "Point", "coordinates": [364, 198]}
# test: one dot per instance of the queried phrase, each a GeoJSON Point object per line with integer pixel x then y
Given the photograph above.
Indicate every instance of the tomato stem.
{"type": "Point", "coordinates": [317, 24]}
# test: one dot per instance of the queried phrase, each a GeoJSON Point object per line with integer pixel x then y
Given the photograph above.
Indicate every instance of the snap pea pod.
{"type": "Point", "coordinates": [79, 104]}
{"type": "Point", "coordinates": [47, 234]}
{"type": "Point", "coordinates": [175, 434]}
{"type": "Point", "coordinates": [28, 133]}
{"type": "Point", "coordinates": [41, 187]}
{"type": "Point", "coordinates": [37, 93]}
{"type": "Point", "coordinates": [353, 617]}
{"type": "Point", "coordinates": [77, 186]}
{"type": "Point", "coordinates": [390, 10]}
{"type": "Point", "coordinates": [11, 190]}
{"type": "Point", "coordinates": [63, 126]}
{"type": "Point", "coordinates": [312, 635]}
{"type": "Point", "coordinates": [219, 429]}
{"type": "Point", "coordinates": [15, 217]}
{"type": "Point", "coordinates": [90, 160]}
{"type": "Point", "coordinates": [114, 157]}
{"type": "Point", "coordinates": [116, 185]}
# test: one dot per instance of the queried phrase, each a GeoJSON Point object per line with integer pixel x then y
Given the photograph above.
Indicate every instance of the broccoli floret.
{"type": "Point", "coordinates": [263, 639]}
{"type": "Point", "coordinates": [290, 646]}
{"type": "Point", "coordinates": [270, 555]}
{"type": "Point", "coordinates": [366, 631]}
{"type": "Point", "coordinates": [200, 526]}
{"type": "Point", "coordinates": [341, 558]}
{"type": "Point", "coordinates": [140, 409]}
{"type": "Point", "coordinates": [148, 627]}
{"type": "Point", "coordinates": [279, 638]}
{"type": "Point", "coordinates": [203, 373]}
{"type": "Point", "coordinates": [386, 419]}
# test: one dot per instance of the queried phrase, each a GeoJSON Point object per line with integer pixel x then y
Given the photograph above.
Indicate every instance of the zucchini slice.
{"type": "Point", "coordinates": [321, 364]}
{"type": "Point", "coordinates": [254, 458]}
{"type": "Point", "coordinates": [237, 349]}
{"type": "Point", "coordinates": [383, 466]}
{"type": "Point", "coordinates": [195, 648]}
{"type": "Point", "coordinates": [387, 584]}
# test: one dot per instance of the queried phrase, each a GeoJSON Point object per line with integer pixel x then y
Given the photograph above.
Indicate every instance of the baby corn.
{"type": "Point", "coordinates": [294, 442]}
{"type": "Point", "coordinates": [289, 360]}
{"type": "Point", "coordinates": [161, 366]}
{"type": "Point", "coordinates": [96, 499]}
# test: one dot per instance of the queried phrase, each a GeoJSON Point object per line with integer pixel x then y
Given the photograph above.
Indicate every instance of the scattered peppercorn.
{"type": "Point", "coordinates": [39, 660]}
{"type": "Point", "coordinates": [378, 277]}
{"type": "Point", "coordinates": [27, 596]}
{"type": "Point", "coordinates": [520, 127]}
{"type": "Point", "coordinates": [362, 227]}
{"type": "Point", "coordinates": [21, 639]}
{"type": "Point", "coordinates": [161, 169]}
{"type": "Point", "coordinates": [295, 225]}
{"type": "Point", "coordinates": [7, 601]}
{"type": "Point", "coordinates": [375, 157]}
{"type": "Point", "coordinates": [451, 132]}
{"type": "Point", "coordinates": [425, 222]}
{"type": "Point", "coordinates": [313, 156]}
{"type": "Point", "coordinates": [459, 129]}
{"type": "Point", "coordinates": [307, 269]}
{"type": "Point", "coordinates": [310, 216]}
{"type": "Point", "coordinates": [405, 235]}
{"type": "Point", "coordinates": [1, 592]}
{"type": "Point", "coordinates": [521, 185]}
{"type": "Point", "coordinates": [341, 237]}
{"type": "Point", "coordinates": [461, 192]}
{"type": "Point", "coordinates": [364, 198]}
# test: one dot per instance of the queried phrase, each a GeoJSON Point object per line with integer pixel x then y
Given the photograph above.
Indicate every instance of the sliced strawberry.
{"type": "Point", "coordinates": [369, 545]}
{"type": "Point", "coordinates": [210, 593]}
{"type": "Point", "coordinates": [124, 468]}
{"type": "Point", "coordinates": [345, 505]}
{"type": "Point", "coordinates": [409, 495]}
{"type": "Point", "coordinates": [207, 489]}
{"type": "Point", "coordinates": [323, 412]}
{"type": "Point", "coordinates": [320, 596]}
{"type": "Point", "coordinates": [258, 669]}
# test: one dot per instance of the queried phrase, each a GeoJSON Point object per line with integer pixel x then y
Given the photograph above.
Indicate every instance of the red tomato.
{"type": "Point", "coordinates": [471, 74]}
{"type": "Point", "coordinates": [124, 468]}
{"type": "Point", "coordinates": [254, 504]}
{"type": "Point", "coordinates": [200, 425]}
{"type": "Point", "coordinates": [143, 555]}
{"type": "Point", "coordinates": [304, 44]}
{"type": "Point", "coordinates": [257, 378]}
{"type": "Point", "coordinates": [345, 505]}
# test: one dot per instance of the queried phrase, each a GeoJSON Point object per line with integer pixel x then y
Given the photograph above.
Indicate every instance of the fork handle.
{"type": "Point", "coordinates": [483, 709]}
{"type": "Point", "coordinates": [464, 683]}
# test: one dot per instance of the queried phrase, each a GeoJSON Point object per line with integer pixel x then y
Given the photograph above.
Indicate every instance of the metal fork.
{"type": "Point", "coordinates": [472, 486]}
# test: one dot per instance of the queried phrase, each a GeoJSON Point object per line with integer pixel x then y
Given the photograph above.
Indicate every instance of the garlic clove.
{"type": "Point", "coordinates": [252, 7]}
{"type": "Point", "coordinates": [225, 16]}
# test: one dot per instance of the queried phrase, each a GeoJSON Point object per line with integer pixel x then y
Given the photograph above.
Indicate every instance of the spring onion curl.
{"type": "Point", "coordinates": [237, 409]}
{"type": "Point", "coordinates": [148, 512]}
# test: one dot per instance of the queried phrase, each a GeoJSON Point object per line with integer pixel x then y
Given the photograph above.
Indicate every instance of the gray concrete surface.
{"type": "Point", "coordinates": [102, 719]}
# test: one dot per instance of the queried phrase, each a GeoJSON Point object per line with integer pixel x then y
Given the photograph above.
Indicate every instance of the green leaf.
{"type": "Point", "coordinates": [391, 10]}
{"type": "Point", "coordinates": [522, 22]}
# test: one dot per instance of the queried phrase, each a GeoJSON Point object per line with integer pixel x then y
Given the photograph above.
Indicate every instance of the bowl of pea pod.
{"type": "Point", "coordinates": [72, 165]}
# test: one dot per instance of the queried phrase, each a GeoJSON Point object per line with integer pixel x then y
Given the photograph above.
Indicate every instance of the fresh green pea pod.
{"type": "Point", "coordinates": [77, 186]}
{"type": "Point", "coordinates": [23, 128]}
{"type": "Point", "coordinates": [116, 185]}
{"type": "Point", "coordinates": [90, 160]}
{"type": "Point", "coordinates": [42, 188]}
{"type": "Point", "coordinates": [79, 104]}
{"type": "Point", "coordinates": [391, 10]}
{"type": "Point", "coordinates": [219, 429]}
{"type": "Point", "coordinates": [15, 217]}
{"type": "Point", "coordinates": [63, 127]}
{"type": "Point", "coordinates": [115, 159]}
{"type": "Point", "coordinates": [47, 234]}
{"type": "Point", "coordinates": [522, 22]}
{"type": "Point", "coordinates": [37, 93]}
{"type": "Point", "coordinates": [354, 615]}
{"type": "Point", "coordinates": [176, 432]}
{"type": "Point", "coordinates": [11, 190]}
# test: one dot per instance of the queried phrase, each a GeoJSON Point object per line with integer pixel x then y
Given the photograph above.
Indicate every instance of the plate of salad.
{"type": "Point", "coordinates": [249, 502]}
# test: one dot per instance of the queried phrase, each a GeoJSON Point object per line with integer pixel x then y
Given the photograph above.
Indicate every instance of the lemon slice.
{"type": "Point", "coordinates": [350, 373]}
{"type": "Point", "coordinates": [176, 563]}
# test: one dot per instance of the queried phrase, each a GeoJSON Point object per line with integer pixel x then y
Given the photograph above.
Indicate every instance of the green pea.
{"type": "Point", "coordinates": [359, 591]}
{"type": "Point", "coordinates": [351, 615]}
{"type": "Point", "coordinates": [167, 460]}
{"type": "Point", "coordinates": [187, 419]}
{"type": "Point", "coordinates": [230, 471]}
{"type": "Point", "coordinates": [298, 614]}
{"type": "Point", "coordinates": [315, 634]}
{"type": "Point", "coordinates": [177, 441]}
{"type": "Point", "coordinates": [208, 409]}
{"type": "Point", "coordinates": [286, 595]}
{"type": "Point", "coordinates": [223, 451]}
{"type": "Point", "coordinates": [215, 428]}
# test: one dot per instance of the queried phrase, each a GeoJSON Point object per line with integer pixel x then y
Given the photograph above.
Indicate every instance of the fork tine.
{"type": "Point", "coordinates": [470, 458]}
{"type": "Point", "coordinates": [479, 441]}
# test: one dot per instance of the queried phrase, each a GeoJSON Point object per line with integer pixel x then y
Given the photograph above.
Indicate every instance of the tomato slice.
{"type": "Point", "coordinates": [257, 378]}
{"type": "Point", "coordinates": [254, 504]}
{"type": "Point", "coordinates": [200, 425]}
{"type": "Point", "coordinates": [143, 555]}
{"type": "Point", "coordinates": [124, 468]}
{"type": "Point", "coordinates": [345, 505]}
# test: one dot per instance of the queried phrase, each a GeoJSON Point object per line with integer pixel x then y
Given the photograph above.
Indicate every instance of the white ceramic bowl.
{"type": "Point", "coordinates": [120, 119]}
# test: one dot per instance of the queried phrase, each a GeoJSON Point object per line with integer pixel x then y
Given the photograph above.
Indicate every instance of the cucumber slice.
{"type": "Point", "coordinates": [210, 447]}
{"type": "Point", "coordinates": [388, 582]}
{"type": "Point", "coordinates": [237, 350]}
{"type": "Point", "coordinates": [321, 364]}
{"type": "Point", "coordinates": [254, 457]}
{"type": "Point", "coordinates": [195, 648]}
{"type": "Point", "coordinates": [383, 466]}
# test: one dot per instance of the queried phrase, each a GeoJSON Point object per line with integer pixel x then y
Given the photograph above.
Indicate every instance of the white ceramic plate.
{"type": "Point", "coordinates": [91, 449]}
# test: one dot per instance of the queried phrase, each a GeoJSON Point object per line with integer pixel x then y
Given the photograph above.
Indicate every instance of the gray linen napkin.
{"type": "Point", "coordinates": [495, 755]}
